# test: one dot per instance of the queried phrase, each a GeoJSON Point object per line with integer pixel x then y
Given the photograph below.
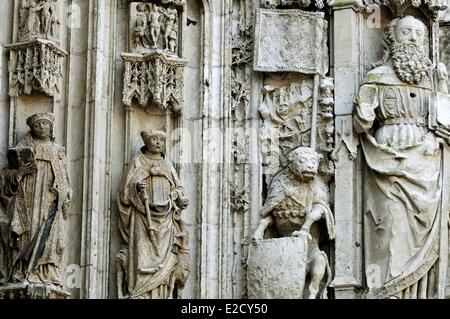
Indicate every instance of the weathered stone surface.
{"type": "Point", "coordinates": [39, 19]}
{"type": "Point", "coordinates": [36, 195]}
{"type": "Point", "coordinates": [154, 262]}
{"type": "Point", "coordinates": [408, 260]}
{"type": "Point", "coordinates": [154, 79]}
{"type": "Point", "coordinates": [32, 291]}
{"type": "Point", "coordinates": [256, 122]}
{"type": "Point", "coordinates": [277, 268]}
{"type": "Point", "coordinates": [444, 49]}
{"type": "Point", "coordinates": [35, 66]}
{"type": "Point", "coordinates": [279, 34]}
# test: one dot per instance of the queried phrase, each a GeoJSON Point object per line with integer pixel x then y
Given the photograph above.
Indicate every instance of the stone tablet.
{"type": "Point", "coordinates": [276, 268]}
{"type": "Point", "coordinates": [290, 41]}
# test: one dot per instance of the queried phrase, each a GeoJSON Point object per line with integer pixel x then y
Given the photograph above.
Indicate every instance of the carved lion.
{"type": "Point", "coordinates": [297, 200]}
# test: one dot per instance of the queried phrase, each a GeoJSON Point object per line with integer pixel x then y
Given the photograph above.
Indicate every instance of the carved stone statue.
{"type": "Point", "coordinates": [173, 41]}
{"type": "Point", "coordinates": [140, 30]}
{"type": "Point", "coordinates": [406, 171]}
{"type": "Point", "coordinates": [38, 19]}
{"type": "Point", "coordinates": [48, 16]}
{"type": "Point", "coordinates": [155, 24]}
{"type": "Point", "coordinates": [296, 202]}
{"type": "Point", "coordinates": [155, 262]}
{"type": "Point", "coordinates": [171, 17]}
{"type": "Point", "coordinates": [442, 78]}
{"type": "Point", "coordinates": [33, 19]}
{"type": "Point", "coordinates": [35, 195]}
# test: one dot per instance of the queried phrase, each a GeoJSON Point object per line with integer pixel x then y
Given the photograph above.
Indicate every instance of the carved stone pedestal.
{"type": "Point", "coordinates": [154, 78]}
{"type": "Point", "coordinates": [35, 65]}
{"type": "Point", "coordinates": [32, 291]}
{"type": "Point", "coordinates": [276, 268]}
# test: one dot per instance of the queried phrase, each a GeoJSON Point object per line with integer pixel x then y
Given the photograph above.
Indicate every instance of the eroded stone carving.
{"type": "Point", "coordinates": [154, 27]}
{"type": "Point", "coordinates": [444, 48]}
{"type": "Point", "coordinates": [434, 8]}
{"type": "Point", "coordinates": [35, 196]}
{"type": "Point", "coordinates": [155, 260]}
{"type": "Point", "coordinates": [38, 19]}
{"type": "Point", "coordinates": [297, 130]}
{"type": "Point", "coordinates": [154, 79]}
{"type": "Point", "coordinates": [35, 66]}
{"type": "Point", "coordinates": [286, 112]}
{"type": "Point", "coordinates": [154, 72]}
{"type": "Point", "coordinates": [174, 2]}
{"type": "Point", "coordinates": [272, 4]}
{"type": "Point", "coordinates": [405, 205]}
{"type": "Point", "coordinates": [280, 33]}
{"type": "Point", "coordinates": [36, 61]}
{"type": "Point", "coordinates": [297, 200]}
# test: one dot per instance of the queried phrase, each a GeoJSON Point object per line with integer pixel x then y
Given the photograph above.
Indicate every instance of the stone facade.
{"type": "Point", "coordinates": [224, 149]}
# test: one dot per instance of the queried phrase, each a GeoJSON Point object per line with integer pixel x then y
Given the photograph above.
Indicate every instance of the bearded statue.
{"type": "Point", "coordinates": [406, 170]}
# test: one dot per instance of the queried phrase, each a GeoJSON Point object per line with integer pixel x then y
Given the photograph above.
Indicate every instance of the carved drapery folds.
{"type": "Point", "coordinates": [297, 130]}
{"type": "Point", "coordinates": [405, 141]}
{"type": "Point", "coordinates": [35, 196]}
{"type": "Point", "coordinates": [154, 70]}
{"type": "Point", "coordinates": [154, 261]}
{"type": "Point", "coordinates": [36, 61]}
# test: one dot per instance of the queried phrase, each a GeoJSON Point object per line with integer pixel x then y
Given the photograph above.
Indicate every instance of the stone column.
{"type": "Point", "coordinates": [212, 152]}
{"type": "Point", "coordinates": [444, 52]}
{"type": "Point", "coordinates": [346, 52]}
{"type": "Point", "coordinates": [6, 25]}
{"type": "Point", "coordinates": [97, 154]}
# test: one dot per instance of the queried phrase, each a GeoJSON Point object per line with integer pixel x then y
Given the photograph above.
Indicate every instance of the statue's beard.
{"type": "Point", "coordinates": [410, 62]}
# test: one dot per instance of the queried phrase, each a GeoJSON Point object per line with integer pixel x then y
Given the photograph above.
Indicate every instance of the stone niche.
{"type": "Point", "coordinates": [154, 69]}
{"type": "Point", "coordinates": [297, 138]}
{"type": "Point", "coordinates": [36, 59]}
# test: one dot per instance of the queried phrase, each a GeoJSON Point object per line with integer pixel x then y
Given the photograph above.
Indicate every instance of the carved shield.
{"type": "Point", "coordinates": [276, 268]}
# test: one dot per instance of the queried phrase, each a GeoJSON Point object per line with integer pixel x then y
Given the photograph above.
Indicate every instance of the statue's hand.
{"type": "Point", "coordinates": [302, 232]}
{"type": "Point", "coordinates": [141, 186]}
{"type": "Point", "coordinates": [27, 169]}
{"type": "Point", "coordinates": [444, 132]}
{"type": "Point", "coordinates": [314, 215]}
{"type": "Point", "coordinates": [65, 210]}
{"type": "Point", "coordinates": [183, 202]}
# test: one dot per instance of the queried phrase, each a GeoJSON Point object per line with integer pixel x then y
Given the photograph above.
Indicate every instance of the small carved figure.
{"type": "Point", "coordinates": [173, 41]}
{"type": "Point", "coordinates": [42, 18]}
{"type": "Point", "coordinates": [442, 77]}
{"type": "Point", "coordinates": [35, 196]}
{"type": "Point", "coordinates": [155, 262]}
{"type": "Point", "coordinates": [37, 19]}
{"type": "Point", "coordinates": [34, 21]}
{"type": "Point", "coordinates": [296, 202]}
{"type": "Point", "coordinates": [171, 17]}
{"type": "Point", "coordinates": [140, 37]}
{"type": "Point", "coordinates": [155, 25]}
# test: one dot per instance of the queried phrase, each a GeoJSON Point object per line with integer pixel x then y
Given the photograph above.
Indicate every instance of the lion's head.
{"type": "Point", "coordinates": [303, 162]}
